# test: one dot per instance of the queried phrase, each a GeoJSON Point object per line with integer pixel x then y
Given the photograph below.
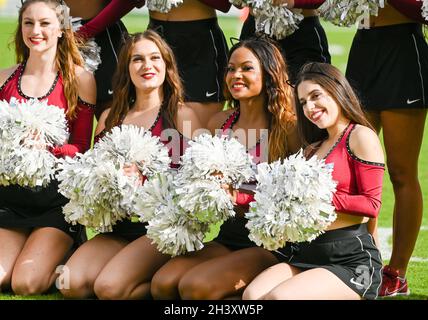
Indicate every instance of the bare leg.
{"type": "Point", "coordinates": [129, 273]}
{"type": "Point", "coordinates": [11, 243]}
{"type": "Point", "coordinates": [268, 280]}
{"type": "Point", "coordinates": [314, 284]}
{"type": "Point", "coordinates": [226, 275]}
{"type": "Point", "coordinates": [35, 268]}
{"type": "Point", "coordinates": [87, 262]}
{"type": "Point", "coordinates": [403, 132]}
{"type": "Point", "coordinates": [166, 279]}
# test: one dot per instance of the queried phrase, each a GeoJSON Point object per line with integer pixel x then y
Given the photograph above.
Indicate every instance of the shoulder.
{"type": "Point", "coordinates": [219, 119]}
{"type": "Point", "coordinates": [187, 121]}
{"type": "Point", "coordinates": [365, 144]}
{"type": "Point", "coordinates": [102, 122]}
{"type": "Point", "coordinates": [6, 73]}
{"type": "Point", "coordinates": [86, 85]}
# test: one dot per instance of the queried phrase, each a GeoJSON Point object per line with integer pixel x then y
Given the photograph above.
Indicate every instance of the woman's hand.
{"type": "Point", "coordinates": [131, 169]}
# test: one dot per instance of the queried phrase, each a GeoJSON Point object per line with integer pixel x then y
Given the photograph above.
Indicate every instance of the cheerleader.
{"type": "Point", "coordinates": [342, 263]}
{"type": "Point", "coordinates": [34, 237]}
{"type": "Point", "coordinates": [262, 105]}
{"type": "Point", "coordinates": [120, 264]}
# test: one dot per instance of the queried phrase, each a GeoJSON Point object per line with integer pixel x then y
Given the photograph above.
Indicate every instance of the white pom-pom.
{"type": "Point", "coordinates": [277, 21]}
{"type": "Point", "coordinates": [28, 129]}
{"type": "Point", "coordinates": [293, 201]}
{"type": "Point", "coordinates": [180, 208]}
{"type": "Point", "coordinates": [90, 50]}
{"type": "Point", "coordinates": [425, 9]}
{"type": "Point", "coordinates": [163, 6]}
{"type": "Point", "coordinates": [346, 13]}
{"type": "Point", "coordinates": [100, 193]}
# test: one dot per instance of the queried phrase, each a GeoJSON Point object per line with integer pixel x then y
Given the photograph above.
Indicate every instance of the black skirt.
{"type": "Point", "coordinates": [39, 207]}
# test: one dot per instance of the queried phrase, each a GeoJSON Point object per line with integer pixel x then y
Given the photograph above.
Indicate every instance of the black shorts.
{"type": "Point", "coordinates": [234, 235]}
{"type": "Point", "coordinates": [129, 230]}
{"type": "Point", "coordinates": [201, 52]}
{"type": "Point", "coordinates": [110, 42]}
{"type": "Point", "coordinates": [349, 253]}
{"type": "Point", "coordinates": [36, 208]}
{"type": "Point", "coordinates": [306, 44]}
{"type": "Point", "coordinates": [388, 67]}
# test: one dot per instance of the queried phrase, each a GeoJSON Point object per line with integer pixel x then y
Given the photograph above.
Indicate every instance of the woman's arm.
{"type": "Point", "coordinates": [113, 12]}
{"type": "Point", "coordinates": [81, 126]}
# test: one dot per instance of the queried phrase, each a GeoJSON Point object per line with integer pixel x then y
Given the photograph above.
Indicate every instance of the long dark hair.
{"type": "Point", "coordinates": [279, 96]}
{"type": "Point", "coordinates": [124, 89]}
{"type": "Point", "coordinates": [67, 55]}
{"type": "Point", "coordinates": [339, 89]}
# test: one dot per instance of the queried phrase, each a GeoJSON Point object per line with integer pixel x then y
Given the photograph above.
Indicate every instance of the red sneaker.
{"type": "Point", "coordinates": [392, 284]}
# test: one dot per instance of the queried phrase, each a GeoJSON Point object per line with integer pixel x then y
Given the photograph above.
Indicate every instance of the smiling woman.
{"type": "Point", "coordinates": [31, 220]}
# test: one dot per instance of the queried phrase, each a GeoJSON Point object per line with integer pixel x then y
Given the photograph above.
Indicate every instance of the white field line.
{"type": "Point", "coordinates": [384, 235]}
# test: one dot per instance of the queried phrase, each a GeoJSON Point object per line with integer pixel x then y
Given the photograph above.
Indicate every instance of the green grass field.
{"type": "Point", "coordinates": [339, 41]}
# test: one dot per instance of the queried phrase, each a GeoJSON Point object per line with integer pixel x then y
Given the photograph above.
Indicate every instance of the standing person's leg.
{"type": "Point", "coordinates": [11, 243]}
{"type": "Point", "coordinates": [35, 267]}
{"type": "Point", "coordinates": [374, 118]}
{"type": "Point", "coordinates": [225, 276]}
{"type": "Point", "coordinates": [403, 132]}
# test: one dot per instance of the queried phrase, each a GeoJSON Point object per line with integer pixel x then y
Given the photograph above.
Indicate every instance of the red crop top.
{"type": "Point", "coordinates": [80, 128]}
{"type": "Point", "coordinates": [359, 188]}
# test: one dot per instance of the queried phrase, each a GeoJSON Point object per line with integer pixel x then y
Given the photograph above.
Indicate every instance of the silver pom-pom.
{"type": "Point", "coordinates": [346, 13]}
{"type": "Point", "coordinates": [100, 193]}
{"type": "Point", "coordinates": [191, 200]}
{"type": "Point", "coordinates": [27, 130]}
{"type": "Point", "coordinates": [163, 6]}
{"type": "Point", "coordinates": [425, 9]}
{"type": "Point", "coordinates": [90, 50]}
{"type": "Point", "coordinates": [277, 21]}
{"type": "Point", "coordinates": [293, 201]}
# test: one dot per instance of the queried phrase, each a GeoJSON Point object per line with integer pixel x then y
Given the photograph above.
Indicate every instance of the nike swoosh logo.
{"type": "Point", "coordinates": [110, 92]}
{"type": "Point", "coordinates": [387, 293]}
{"type": "Point", "coordinates": [209, 94]}
{"type": "Point", "coordinates": [70, 229]}
{"type": "Point", "coordinates": [412, 101]}
{"type": "Point", "coordinates": [356, 283]}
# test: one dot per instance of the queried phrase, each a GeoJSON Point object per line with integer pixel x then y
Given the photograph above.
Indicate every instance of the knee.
{"type": "Point", "coordinates": [198, 288]}
{"type": "Point", "coordinates": [109, 289]}
{"type": "Point", "coordinates": [164, 286]}
{"type": "Point", "coordinates": [251, 293]}
{"type": "Point", "coordinates": [401, 176]}
{"type": "Point", "coordinates": [29, 284]}
{"type": "Point", "coordinates": [79, 287]}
